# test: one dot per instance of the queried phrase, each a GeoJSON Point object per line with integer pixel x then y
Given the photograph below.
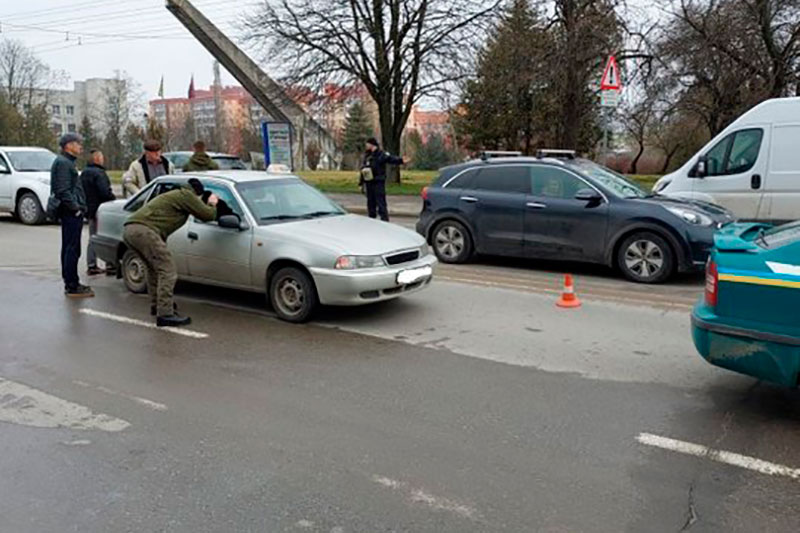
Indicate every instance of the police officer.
{"type": "Point", "coordinates": [146, 232]}
{"type": "Point", "coordinates": [373, 177]}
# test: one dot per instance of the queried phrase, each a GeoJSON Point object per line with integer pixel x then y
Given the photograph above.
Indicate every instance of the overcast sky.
{"type": "Point", "coordinates": [137, 36]}
{"type": "Point", "coordinates": [93, 38]}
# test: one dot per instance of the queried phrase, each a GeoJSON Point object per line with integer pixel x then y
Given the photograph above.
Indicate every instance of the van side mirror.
{"type": "Point", "coordinates": [590, 196]}
{"type": "Point", "coordinates": [700, 169]}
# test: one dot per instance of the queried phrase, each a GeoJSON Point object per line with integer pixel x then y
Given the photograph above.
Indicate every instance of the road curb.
{"type": "Point", "coordinates": [362, 210]}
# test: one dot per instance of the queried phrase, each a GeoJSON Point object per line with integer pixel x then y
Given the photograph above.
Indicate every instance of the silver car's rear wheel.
{"type": "Point", "coordinates": [292, 294]}
{"type": "Point", "coordinates": [134, 272]}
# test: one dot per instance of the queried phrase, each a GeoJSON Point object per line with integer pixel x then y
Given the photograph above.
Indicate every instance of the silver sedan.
{"type": "Point", "coordinates": [282, 237]}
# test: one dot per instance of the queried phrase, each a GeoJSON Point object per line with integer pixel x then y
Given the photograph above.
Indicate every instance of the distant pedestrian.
{"type": "Point", "coordinates": [70, 208]}
{"type": "Point", "coordinates": [146, 232]}
{"type": "Point", "coordinates": [200, 160]}
{"type": "Point", "coordinates": [373, 177]}
{"type": "Point", "coordinates": [97, 188]}
{"type": "Point", "coordinates": [148, 167]}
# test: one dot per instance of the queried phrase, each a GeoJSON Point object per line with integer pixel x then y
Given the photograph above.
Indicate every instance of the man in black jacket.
{"type": "Point", "coordinates": [97, 188]}
{"type": "Point", "coordinates": [373, 177]}
{"type": "Point", "coordinates": [65, 187]}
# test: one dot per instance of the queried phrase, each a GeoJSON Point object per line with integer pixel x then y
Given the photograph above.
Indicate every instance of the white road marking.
{"type": "Point", "coordinates": [420, 496]}
{"type": "Point", "coordinates": [26, 406]}
{"type": "Point", "coordinates": [141, 323]}
{"type": "Point", "coordinates": [720, 456]}
{"type": "Point", "coordinates": [142, 401]}
{"type": "Point", "coordinates": [80, 442]}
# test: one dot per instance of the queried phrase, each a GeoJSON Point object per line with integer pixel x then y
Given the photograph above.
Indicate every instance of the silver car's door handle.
{"type": "Point", "coordinates": [536, 205]}
{"type": "Point", "coordinates": [469, 199]}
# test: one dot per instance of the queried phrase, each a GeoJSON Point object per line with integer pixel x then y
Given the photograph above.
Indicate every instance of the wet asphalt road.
{"type": "Point", "coordinates": [407, 416]}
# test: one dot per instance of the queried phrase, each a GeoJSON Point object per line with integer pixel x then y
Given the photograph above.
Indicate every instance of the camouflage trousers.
{"type": "Point", "coordinates": [161, 272]}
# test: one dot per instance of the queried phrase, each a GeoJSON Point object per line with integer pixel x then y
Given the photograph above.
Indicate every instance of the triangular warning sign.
{"type": "Point", "coordinates": [611, 75]}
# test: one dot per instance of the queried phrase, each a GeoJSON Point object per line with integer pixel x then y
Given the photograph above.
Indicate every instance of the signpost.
{"type": "Point", "coordinates": [610, 89]}
{"type": "Point", "coordinates": [277, 137]}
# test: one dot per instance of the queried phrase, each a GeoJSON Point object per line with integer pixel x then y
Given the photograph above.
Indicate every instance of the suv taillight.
{"type": "Point", "coordinates": [424, 193]}
{"type": "Point", "coordinates": [712, 283]}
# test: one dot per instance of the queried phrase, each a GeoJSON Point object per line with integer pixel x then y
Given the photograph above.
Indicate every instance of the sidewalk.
{"type": "Point", "coordinates": [399, 205]}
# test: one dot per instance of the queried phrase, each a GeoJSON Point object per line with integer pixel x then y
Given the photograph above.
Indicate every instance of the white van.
{"type": "Point", "coordinates": [25, 182]}
{"type": "Point", "coordinates": [752, 167]}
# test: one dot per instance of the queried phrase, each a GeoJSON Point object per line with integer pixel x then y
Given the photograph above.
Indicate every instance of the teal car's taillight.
{"type": "Point", "coordinates": [712, 283]}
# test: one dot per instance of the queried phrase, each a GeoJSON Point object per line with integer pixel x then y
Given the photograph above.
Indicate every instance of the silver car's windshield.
{"type": "Point", "coordinates": [31, 160]}
{"type": "Point", "coordinates": [272, 201]}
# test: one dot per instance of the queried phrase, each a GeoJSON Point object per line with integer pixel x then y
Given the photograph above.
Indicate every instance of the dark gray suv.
{"type": "Point", "coordinates": [564, 208]}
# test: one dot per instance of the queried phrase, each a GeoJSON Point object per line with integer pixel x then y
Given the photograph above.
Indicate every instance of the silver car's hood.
{"type": "Point", "coordinates": [349, 234]}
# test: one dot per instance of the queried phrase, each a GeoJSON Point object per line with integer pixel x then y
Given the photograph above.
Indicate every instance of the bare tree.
{"type": "Point", "coordinates": [400, 50]}
{"type": "Point", "coordinates": [120, 105]}
{"type": "Point", "coordinates": [23, 77]}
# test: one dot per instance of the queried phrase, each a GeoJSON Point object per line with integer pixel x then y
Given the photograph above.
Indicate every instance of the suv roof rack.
{"type": "Point", "coordinates": [487, 154]}
{"type": "Point", "coordinates": [558, 154]}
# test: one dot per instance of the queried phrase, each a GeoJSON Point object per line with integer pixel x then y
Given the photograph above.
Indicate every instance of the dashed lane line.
{"type": "Point", "coordinates": [150, 404]}
{"type": "Point", "coordinates": [141, 323]}
{"type": "Point", "coordinates": [720, 456]}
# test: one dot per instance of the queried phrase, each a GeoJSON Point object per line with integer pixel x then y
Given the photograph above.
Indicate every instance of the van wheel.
{"type": "Point", "coordinates": [293, 295]}
{"type": "Point", "coordinates": [29, 210]}
{"type": "Point", "coordinates": [452, 242]}
{"type": "Point", "coordinates": [646, 257]}
{"type": "Point", "coordinates": [134, 272]}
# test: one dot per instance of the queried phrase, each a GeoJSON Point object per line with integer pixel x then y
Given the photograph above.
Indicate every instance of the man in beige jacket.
{"type": "Point", "coordinates": [147, 168]}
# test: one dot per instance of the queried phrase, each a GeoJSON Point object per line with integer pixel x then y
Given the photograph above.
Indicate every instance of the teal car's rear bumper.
{"type": "Point", "coordinates": [764, 355]}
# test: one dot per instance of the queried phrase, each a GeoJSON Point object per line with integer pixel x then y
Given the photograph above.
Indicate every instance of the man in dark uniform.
{"type": "Point", "coordinates": [70, 208]}
{"type": "Point", "coordinates": [373, 177]}
{"type": "Point", "coordinates": [146, 232]}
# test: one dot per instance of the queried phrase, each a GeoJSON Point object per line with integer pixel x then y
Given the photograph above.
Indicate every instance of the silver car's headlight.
{"type": "Point", "coordinates": [690, 216]}
{"type": "Point", "coordinates": [352, 262]}
{"type": "Point", "coordinates": [424, 250]}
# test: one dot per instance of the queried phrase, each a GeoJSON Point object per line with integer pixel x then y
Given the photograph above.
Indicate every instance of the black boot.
{"type": "Point", "coordinates": [173, 321]}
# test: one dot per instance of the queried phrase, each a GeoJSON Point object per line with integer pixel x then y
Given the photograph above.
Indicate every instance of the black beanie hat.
{"type": "Point", "coordinates": [195, 184]}
{"type": "Point", "coordinates": [374, 142]}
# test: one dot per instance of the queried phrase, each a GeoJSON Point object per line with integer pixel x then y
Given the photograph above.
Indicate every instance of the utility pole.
{"type": "Point", "coordinates": [219, 118]}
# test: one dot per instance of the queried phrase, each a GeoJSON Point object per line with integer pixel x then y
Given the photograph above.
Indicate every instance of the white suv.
{"type": "Point", "coordinates": [25, 182]}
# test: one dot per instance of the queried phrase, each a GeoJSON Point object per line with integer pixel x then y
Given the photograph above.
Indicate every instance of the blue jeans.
{"type": "Point", "coordinates": [71, 228]}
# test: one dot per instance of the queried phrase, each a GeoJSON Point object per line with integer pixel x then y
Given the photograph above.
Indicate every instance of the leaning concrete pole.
{"type": "Point", "coordinates": [264, 89]}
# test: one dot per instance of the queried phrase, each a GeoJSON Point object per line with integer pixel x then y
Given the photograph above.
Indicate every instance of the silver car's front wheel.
{"type": "Point", "coordinates": [292, 294]}
{"type": "Point", "coordinates": [29, 210]}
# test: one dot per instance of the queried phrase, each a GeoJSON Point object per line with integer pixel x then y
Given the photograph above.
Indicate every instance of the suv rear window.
{"type": "Point", "coordinates": [504, 179]}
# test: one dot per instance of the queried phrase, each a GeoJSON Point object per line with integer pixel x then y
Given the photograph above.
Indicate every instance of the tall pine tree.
{"type": "Point", "coordinates": [507, 102]}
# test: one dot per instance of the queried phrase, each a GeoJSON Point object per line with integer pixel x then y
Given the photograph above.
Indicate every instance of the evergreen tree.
{"type": "Point", "coordinates": [356, 132]}
{"type": "Point", "coordinates": [433, 154]}
{"type": "Point", "coordinates": [507, 103]}
{"type": "Point", "coordinates": [91, 139]}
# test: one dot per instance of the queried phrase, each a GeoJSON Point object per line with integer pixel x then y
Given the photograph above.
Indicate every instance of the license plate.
{"type": "Point", "coordinates": [406, 277]}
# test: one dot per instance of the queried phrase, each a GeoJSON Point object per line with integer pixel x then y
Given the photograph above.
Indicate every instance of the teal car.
{"type": "Point", "coordinates": [749, 318]}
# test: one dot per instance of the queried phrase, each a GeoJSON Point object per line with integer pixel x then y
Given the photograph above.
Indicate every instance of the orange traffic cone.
{"type": "Point", "coordinates": [568, 297]}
